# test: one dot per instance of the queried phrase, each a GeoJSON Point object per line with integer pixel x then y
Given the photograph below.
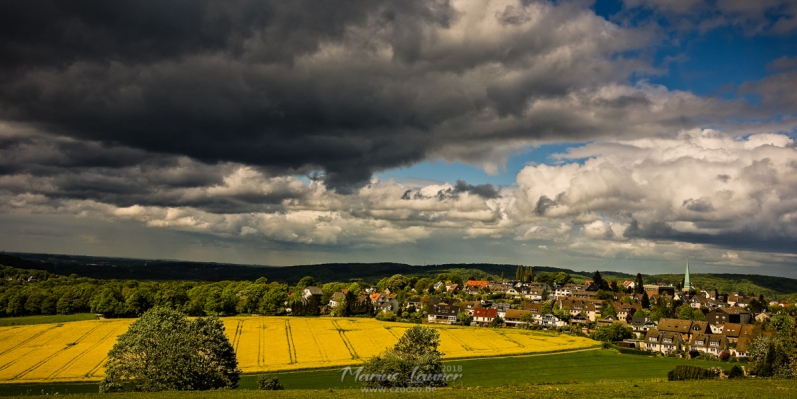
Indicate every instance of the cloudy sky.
{"type": "Point", "coordinates": [620, 135]}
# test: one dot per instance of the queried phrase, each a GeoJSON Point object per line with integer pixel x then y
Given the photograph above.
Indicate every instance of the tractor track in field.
{"type": "Point", "coordinates": [261, 356]}
{"type": "Point", "coordinates": [31, 338]}
{"type": "Point", "coordinates": [11, 363]}
{"type": "Point", "coordinates": [236, 339]}
{"type": "Point", "coordinates": [291, 344]}
{"type": "Point", "coordinates": [81, 354]}
{"type": "Point", "coordinates": [346, 341]}
{"type": "Point", "coordinates": [56, 353]}
{"type": "Point", "coordinates": [510, 339]}
{"type": "Point", "coordinates": [459, 341]}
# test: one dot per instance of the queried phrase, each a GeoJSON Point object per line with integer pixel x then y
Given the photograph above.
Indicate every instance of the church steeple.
{"type": "Point", "coordinates": [687, 284]}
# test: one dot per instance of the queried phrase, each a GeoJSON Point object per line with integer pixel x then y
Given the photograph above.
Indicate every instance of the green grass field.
{"type": "Point", "coordinates": [588, 367]}
{"type": "Point", "coordinates": [730, 389]}
{"type": "Point", "coordinates": [594, 366]}
{"type": "Point", "coordinates": [26, 320]}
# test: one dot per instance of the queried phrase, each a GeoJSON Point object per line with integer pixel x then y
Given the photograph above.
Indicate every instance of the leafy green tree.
{"type": "Point", "coordinates": [547, 307]}
{"type": "Point", "coordinates": [464, 318]}
{"type": "Point", "coordinates": [604, 295]}
{"type": "Point", "coordinates": [136, 302]}
{"type": "Point", "coordinates": [607, 309]}
{"type": "Point", "coordinates": [612, 333]}
{"type": "Point", "coordinates": [163, 351]}
{"type": "Point", "coordinates": [414, 354]}
{"type": "Point", "coordinates": [639, 284]}
{"type": "Point", "coordinates": [527, 319]}
{"type": "Point", "coordinates": [768, 357]}
{"type": "Point", "coordinates": [109, 301]}
{"type": "Point", "coordinates": [645, 300]}
{"type": "Point", "coordinates": [685, 312]}
{"type": "Point", "coordinates": [563, 313]}
{"type": "Point", "coordinates": [396, 283]}
{"type": "Point", "coordinates": [306, 281]}
{"type": "Point", "coordinates": [562, 278]}
{"type": "Point", "coordinates": [273, 302]}
{"type": "Point", "coordinates": [599, 281]}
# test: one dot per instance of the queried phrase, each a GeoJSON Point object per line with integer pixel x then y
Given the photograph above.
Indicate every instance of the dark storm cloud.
{"type": "Point", "coordinates": [296, 87]}
{"type": "Point", "coordinates": [486, 191]}
{"type": "Point", "coordinates": [698, 205]}
{"type": "Point", "coordinates": [213, 80]}
{"type": "Point", "coordinates": [71, 169]}
{"type": "Point", "coordinates": [746, 239]}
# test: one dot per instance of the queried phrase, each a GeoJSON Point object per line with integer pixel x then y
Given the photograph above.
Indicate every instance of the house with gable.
{"type": "Point", "coordinates": [550, 320]}
{"type": "Point", "coordinates": [312, 291]}
{"type": "Point", "coordinates": [741, 348]}
{"type": "Point", "coordinates": [535, 309]}
{"type": "Point", "coordinates": [721, 316]}
{"type": "Point", "coordinates": [513, 317]}
{"type": "Point", "coordinates": [484, 315]}
{"type": "Point", "coordinates": [641, 324]}
{"type": "Point", "coordinates": [563, 291]}
{"type": "Point", "coordinates": [662, 341]}
{"type": "Point", "coordinates": [390, 305]}
{"type": "Point", "coordinates": [625, 311]}
{"type": "Point", "coordinates": [337, 299]}
{"type": "Point", "coordinates": [475, 286]}
{"type": "Point", "coordinates": [501, 307]}
{"type": "Point", "coordinates": [679, 326]}
{"type": "Point", "coordinates": [587, 307]}
{"type": "Point", "coordinates": [712, 344]}
{"type": "Point", "coordinates": [443, 314]}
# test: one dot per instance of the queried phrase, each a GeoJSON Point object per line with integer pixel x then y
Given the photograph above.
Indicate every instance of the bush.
{"type": "Point", "coordinates": [612, 333]}
{"type": "Point", "coordinates": [725, 355]}
{"type": "Point", "coordinates": [694, 353]}
{"type": "Point", "coordinates": [386, 316]}
{"type": "Point", "coordinates": [686, 372]}
{"type": "Point", "coordinates": [736, 372]}
{"type": "Point", "coordinates": [269, 384]}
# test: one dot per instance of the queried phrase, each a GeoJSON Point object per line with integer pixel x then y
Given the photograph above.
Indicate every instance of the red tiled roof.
{"type": "Point", "coordinates": [485, 312]}
{"type": "Point", "coordinates": [477, 283]}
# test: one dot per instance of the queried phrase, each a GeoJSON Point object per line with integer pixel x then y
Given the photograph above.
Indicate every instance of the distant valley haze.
{"type": "Point", "coordinates": [624, 135]}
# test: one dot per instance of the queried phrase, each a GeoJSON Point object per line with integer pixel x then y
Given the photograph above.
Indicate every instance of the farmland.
{"type": "Point", "coordinates": [75, 351]}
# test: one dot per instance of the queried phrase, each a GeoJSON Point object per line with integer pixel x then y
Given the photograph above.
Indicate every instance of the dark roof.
{"type": "Point", "coordinates": [445, 310]}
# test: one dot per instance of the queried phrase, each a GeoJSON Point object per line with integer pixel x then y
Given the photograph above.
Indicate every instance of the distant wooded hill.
{"type": "Point", "coordinates": [107, 268]}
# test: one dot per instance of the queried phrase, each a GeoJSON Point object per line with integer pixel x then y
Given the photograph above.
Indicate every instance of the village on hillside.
{"type": "Point", "coordinates": [666, 319]}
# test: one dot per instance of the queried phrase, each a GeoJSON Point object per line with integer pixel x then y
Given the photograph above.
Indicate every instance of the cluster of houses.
{"type": "Point", "coordinates": [727, 326]}
{"type": "Point", "coordinates": [672, 335]}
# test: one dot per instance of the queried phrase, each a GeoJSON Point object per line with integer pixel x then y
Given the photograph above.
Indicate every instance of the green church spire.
{"type": "Point", "coordinates": [687, 284]}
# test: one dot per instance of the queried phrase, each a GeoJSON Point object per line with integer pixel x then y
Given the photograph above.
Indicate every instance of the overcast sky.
{"type": "Point", "coordinates": [623, 135]}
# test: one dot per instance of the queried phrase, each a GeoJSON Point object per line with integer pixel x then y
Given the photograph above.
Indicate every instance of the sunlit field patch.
{"type": "Point", "coordinates": [76, 351]}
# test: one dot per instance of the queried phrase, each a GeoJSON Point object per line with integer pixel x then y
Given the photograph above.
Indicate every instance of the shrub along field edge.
{"type": "Point", "coordinates": [45, 319]}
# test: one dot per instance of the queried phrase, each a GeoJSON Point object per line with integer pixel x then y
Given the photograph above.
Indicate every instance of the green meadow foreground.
{"type": "Point", "coordinates": [761, 388]}
{"type": "Point", "coordinates": [605, 368]}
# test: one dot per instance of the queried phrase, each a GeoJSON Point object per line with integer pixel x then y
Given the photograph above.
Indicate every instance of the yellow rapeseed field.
{"type": "Point", "coordinates": [76, 351]}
